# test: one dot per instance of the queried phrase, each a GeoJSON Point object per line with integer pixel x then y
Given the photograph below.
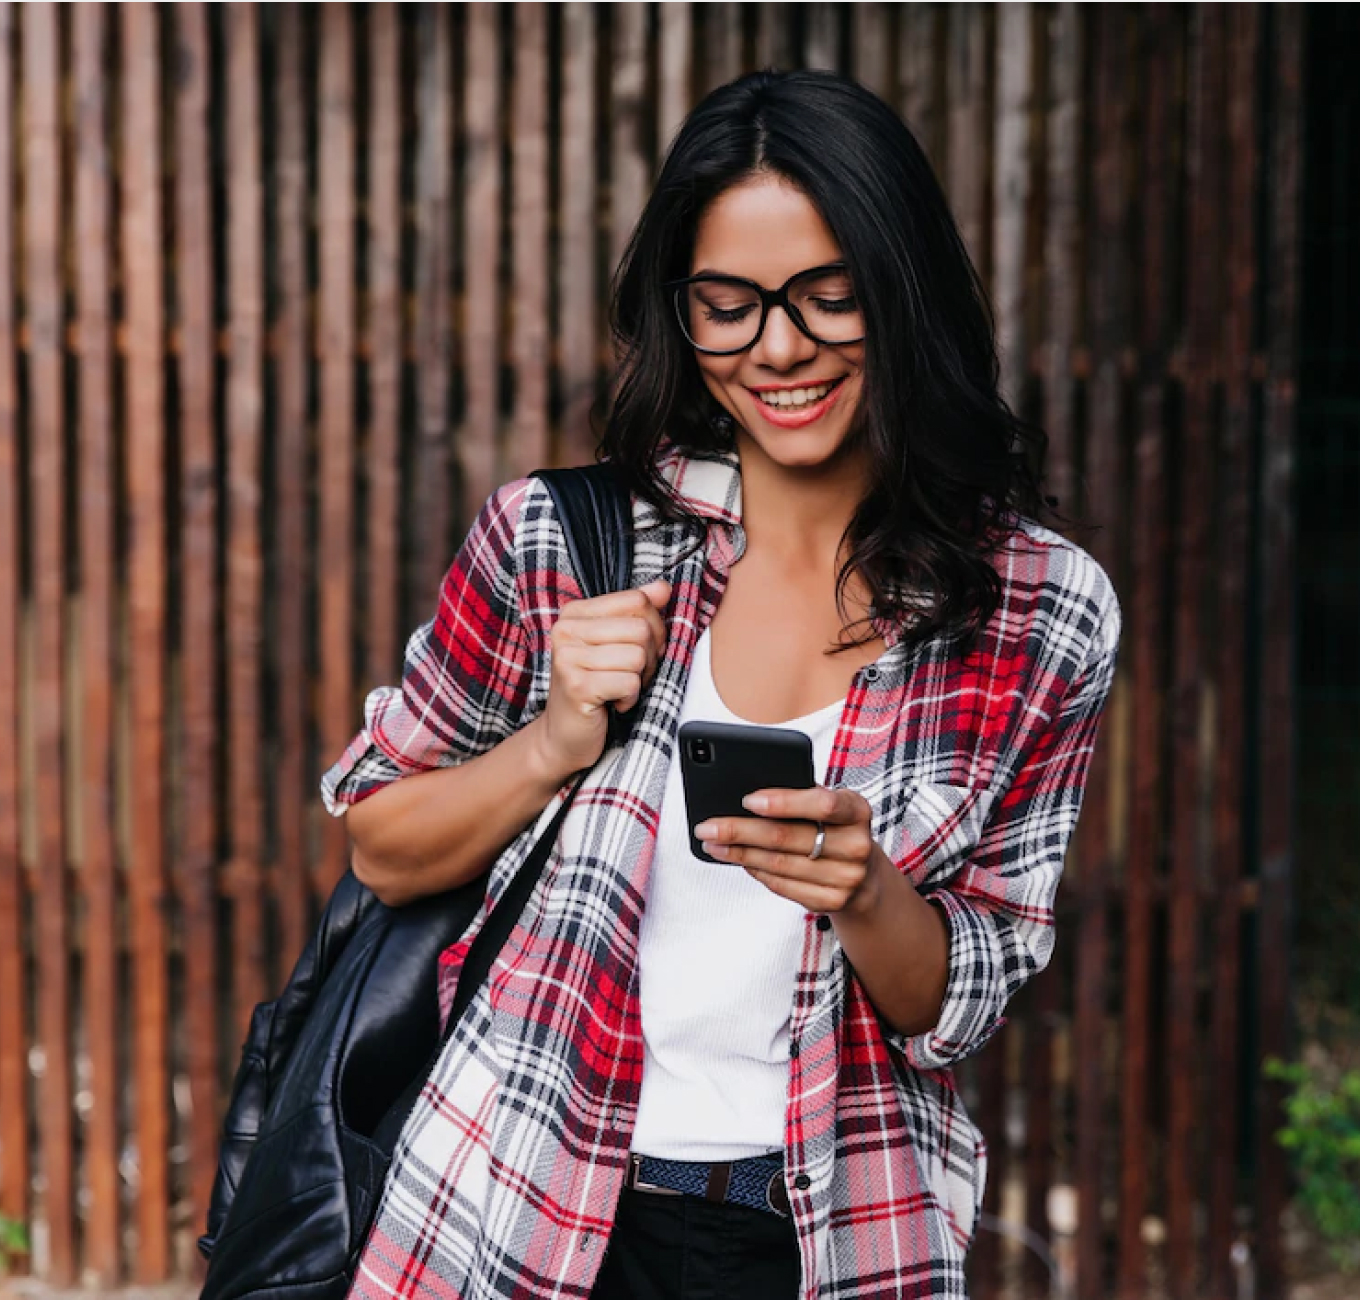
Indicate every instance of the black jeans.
{"type": "Point", "coordinates": [684, 1248]}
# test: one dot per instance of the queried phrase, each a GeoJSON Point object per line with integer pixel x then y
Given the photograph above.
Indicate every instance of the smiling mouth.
{"type": "Point", "coordinates": [796, 399]}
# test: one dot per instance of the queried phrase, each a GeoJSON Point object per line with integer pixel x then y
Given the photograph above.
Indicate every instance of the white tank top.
{"type": "Point", "coordinates": [718, 959]}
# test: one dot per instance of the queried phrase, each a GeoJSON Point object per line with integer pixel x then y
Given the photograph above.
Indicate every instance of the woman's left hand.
{"type": "Point", "coordinates": [774, 846]}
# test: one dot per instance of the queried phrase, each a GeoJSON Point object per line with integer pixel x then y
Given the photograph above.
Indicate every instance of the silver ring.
{"type": "Point", "coordinates": [818, 844]}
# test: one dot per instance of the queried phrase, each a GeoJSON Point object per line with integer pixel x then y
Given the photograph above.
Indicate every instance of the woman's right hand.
{"type": "Point", "coordinates": [604, 651]}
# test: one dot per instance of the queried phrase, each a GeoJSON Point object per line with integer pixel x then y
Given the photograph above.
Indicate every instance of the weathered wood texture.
{"type": "Point", "coordinates": [285, 291]}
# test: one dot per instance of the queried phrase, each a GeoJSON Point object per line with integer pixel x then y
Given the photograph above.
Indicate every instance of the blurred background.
{"type": "Point", "coordinates": [285, 291]}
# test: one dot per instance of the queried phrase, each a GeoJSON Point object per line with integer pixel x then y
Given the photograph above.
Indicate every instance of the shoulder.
{"type": "Point", "coordinates": [1054, 590]}
{"type": "Point", "coordinates": [517, 526]}
{"type": "Point", "coordinates": [520, 535]}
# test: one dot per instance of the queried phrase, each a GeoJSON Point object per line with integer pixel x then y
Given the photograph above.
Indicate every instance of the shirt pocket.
{"type": "Point", "coordinates": [934, 829]}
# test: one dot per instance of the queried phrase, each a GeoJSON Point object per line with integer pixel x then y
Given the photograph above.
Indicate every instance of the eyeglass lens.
{"type": "Point", "coordinates": [724, 315]}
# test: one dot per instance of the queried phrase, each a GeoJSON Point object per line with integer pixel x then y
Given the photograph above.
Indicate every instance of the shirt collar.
{"type": "Point", "coordinates": [708, 483]}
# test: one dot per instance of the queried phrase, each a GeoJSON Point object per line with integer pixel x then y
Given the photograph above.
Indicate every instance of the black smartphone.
{"type": "Point", "coordinates": [721, 763]}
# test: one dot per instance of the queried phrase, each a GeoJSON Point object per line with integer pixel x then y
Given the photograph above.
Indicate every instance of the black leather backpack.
{"type": "Point", "coordinates": [333, 1066]}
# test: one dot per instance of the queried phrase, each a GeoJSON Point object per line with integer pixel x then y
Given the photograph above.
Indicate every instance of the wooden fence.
{"type": "Point", "coordinates": [285, 291]}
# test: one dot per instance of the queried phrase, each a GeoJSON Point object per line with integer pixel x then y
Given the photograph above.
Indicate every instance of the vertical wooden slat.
{"type": "Point", "coordinates": [1012, 164]}
{"type": "Point", "coordinates": [1189, 700]}
{"type": "Point", "coordinates": [966, 167]}
{"type": "Point", "coordinates": [871, 44]}
{"type": "Point", "coordinates": [1109, 297]}
{"type": "Point", "coordinates": [722, 45]}
{"type": "Point", "coordinates": [102, 1013]}
{"type": "Point", "coordinates": [143, 243]}
{"type": "Point", "coordinates": [47, 533]}
{"type": "Point", "coordinates": [821, 36]}
{"type": "Point", "coordinates": [481, 257]}
{"type": "Point", "coordinates": [1139, 1054]}
{"type": "Point", "coordinates": [336, 452]}
{"type": "Point", "coordinates": [919, 61]}
{"type": "Point", "coordinates": [1011, 167]}
{"type": "Point", "coordinates": [675, 59]}
{"type": "Point", "coordinates": [14, 1107]}
{"type": "Point", "coordinates": [244, 412]}
{"type": "Point", "coordinates": [528, 448]}
{"type": "Point", "coordinates": [199, 672]}
{"type": "Point", "coordinates": [969, 137]}
{"type": "Point", "coordinates": [1062, 296]}
{"type": "Point", "coordinates": [1276, 756]}
{"type": "Point", "coordinates": [434, 183]}
{"type": "Point", "coordinates": [1231, 576]}
{"type": "Point", "coordinates": [578, 328]}
{"type": "Point", "coordinates": [1145, 629]}
{"type": "Point", "coordinates": [295, 780]}
{"type": "Point", "coordinates": [383, 446]}
{"type": "Point", "coordinates": [628, 156]}
{"type": "Point", "coordinates": [1062, 218]}
{"type": "Point", "coordinates": [775, 37]}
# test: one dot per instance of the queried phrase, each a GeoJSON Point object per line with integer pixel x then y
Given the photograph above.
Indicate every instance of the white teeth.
{"type": "Point", "coordinates": [795, 396]}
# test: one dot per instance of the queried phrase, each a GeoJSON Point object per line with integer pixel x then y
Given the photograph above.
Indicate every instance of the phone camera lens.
{"type": "Point", "coordinates": [701, 751]}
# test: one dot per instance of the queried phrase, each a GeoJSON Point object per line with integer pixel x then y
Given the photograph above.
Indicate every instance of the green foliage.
{"type": "Point", "coordinates": [1322, 1133]}
{"type": "Point", "coordinates": [13, 1242]}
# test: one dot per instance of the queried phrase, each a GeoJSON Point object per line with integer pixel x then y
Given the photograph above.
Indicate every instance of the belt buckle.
{"type": "Point", "coordinates": [635, 1180]}
{"type": "Point", "coordinates": [777, 1195]}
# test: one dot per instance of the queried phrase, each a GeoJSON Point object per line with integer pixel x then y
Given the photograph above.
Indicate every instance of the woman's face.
{"type": "Point", "coordinates": [793, 399]}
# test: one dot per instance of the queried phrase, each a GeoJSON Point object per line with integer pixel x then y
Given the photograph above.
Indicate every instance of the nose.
{"type": "Point", "coordinates": [782, 345]}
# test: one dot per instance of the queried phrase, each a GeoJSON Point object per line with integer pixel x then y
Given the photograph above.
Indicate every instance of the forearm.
{"type": "Point", "coordinates": [898, 945]}
{"type": "Point", "coordinates": [434, 830]}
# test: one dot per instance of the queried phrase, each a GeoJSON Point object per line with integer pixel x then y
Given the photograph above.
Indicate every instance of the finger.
{"type": "Point", "coordinates": [810, 895]}
{"type": "Point", "coordinates": [592, 690]}
{"type": "Point", "coordinates": [608, 631]}
{"type": "Point", "coordinates": [595, 620]}
{"type": "Point", "coordinates": [616, 657]}
{"type": "Point", "coordinates": [795, 837]}
{"type": "Point", "coordinates": [816, 804]}
{"type": "Point", "coordinates": [794, 867]}
{"type": "Point", "coordinates": [631, 603]}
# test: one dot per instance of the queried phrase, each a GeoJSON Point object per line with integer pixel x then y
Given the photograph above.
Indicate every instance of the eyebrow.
{"type": "Point", "coordinates": [732, 275]}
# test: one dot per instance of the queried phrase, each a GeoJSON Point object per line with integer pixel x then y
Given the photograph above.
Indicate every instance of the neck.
{"type": "Point", "coordinates": [803, 511]}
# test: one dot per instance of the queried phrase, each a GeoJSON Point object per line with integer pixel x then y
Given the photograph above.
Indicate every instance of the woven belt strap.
{"type": "Point", "coordinates": [757, 1182]}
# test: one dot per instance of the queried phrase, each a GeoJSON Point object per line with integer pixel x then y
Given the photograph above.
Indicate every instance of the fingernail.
{"type": "Point", "coordinates": [706, 831]}
{"type": "Point", "coordinates": [717, 851]}
{"type": "Point", "coordinates": [756, 803]}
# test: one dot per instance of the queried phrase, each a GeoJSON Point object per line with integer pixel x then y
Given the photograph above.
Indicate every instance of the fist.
{"type": "Point", "coordinates": [604, 651]}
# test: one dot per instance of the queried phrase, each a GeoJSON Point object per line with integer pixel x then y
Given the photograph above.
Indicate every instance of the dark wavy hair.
{"type": "Point", "coordinates": [951, 467]}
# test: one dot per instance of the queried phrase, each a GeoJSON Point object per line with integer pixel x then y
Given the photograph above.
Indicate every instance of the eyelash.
{"type": "Point", "coordinates": [721, 317]}
{"type": "Point", "coordinates": [841, 306]}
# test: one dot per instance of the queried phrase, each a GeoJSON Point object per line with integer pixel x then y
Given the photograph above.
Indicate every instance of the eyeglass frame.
{"type": "Point", "coordinates": [768, 298]}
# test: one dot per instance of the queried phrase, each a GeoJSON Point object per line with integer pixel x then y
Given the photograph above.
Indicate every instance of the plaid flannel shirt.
{"type": "Point", "coordinates": [505, 1179]}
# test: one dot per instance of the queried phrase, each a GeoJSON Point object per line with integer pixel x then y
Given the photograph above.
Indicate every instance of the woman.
{"type": "Point", "coordinates": [833, 512]}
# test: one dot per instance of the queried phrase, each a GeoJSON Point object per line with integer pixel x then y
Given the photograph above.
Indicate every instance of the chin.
{"type": "Point", "coordinates": [801, 449]}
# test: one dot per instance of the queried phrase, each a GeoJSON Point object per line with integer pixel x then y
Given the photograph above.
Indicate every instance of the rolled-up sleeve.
{"type": "Point", "coordinates": [999, 906]}
{"type": "Point", "coordinates": [467, 672]}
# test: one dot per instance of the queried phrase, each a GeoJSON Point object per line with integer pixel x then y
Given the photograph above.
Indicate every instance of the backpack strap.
{"type": "Point", "coordinates": [596, 516]}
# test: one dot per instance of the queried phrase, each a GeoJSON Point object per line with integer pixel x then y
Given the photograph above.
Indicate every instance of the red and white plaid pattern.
{"type": "Point", "coordinates": [506, 1177]}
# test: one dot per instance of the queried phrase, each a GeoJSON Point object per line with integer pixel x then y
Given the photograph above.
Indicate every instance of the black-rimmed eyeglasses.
{"type": "Point", "coordinates": [722, 315]}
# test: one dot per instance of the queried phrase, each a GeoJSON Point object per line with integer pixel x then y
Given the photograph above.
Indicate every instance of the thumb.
{"type": "Point", "coordinates": [658, 592]}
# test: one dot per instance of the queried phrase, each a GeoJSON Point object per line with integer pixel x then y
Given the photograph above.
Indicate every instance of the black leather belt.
{"type": "Point", "coordinates": [757, 1182]}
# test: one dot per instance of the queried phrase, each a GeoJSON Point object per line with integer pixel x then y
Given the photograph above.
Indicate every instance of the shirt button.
{"type": "Point", "coordinates": [824, 923]}
{"type": "Point", "coordinates": [802, 1182]}
{"type": "Point", "coordinates": [872, 674]}
{"type": "Point", "coordinates": [793, 1047]}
